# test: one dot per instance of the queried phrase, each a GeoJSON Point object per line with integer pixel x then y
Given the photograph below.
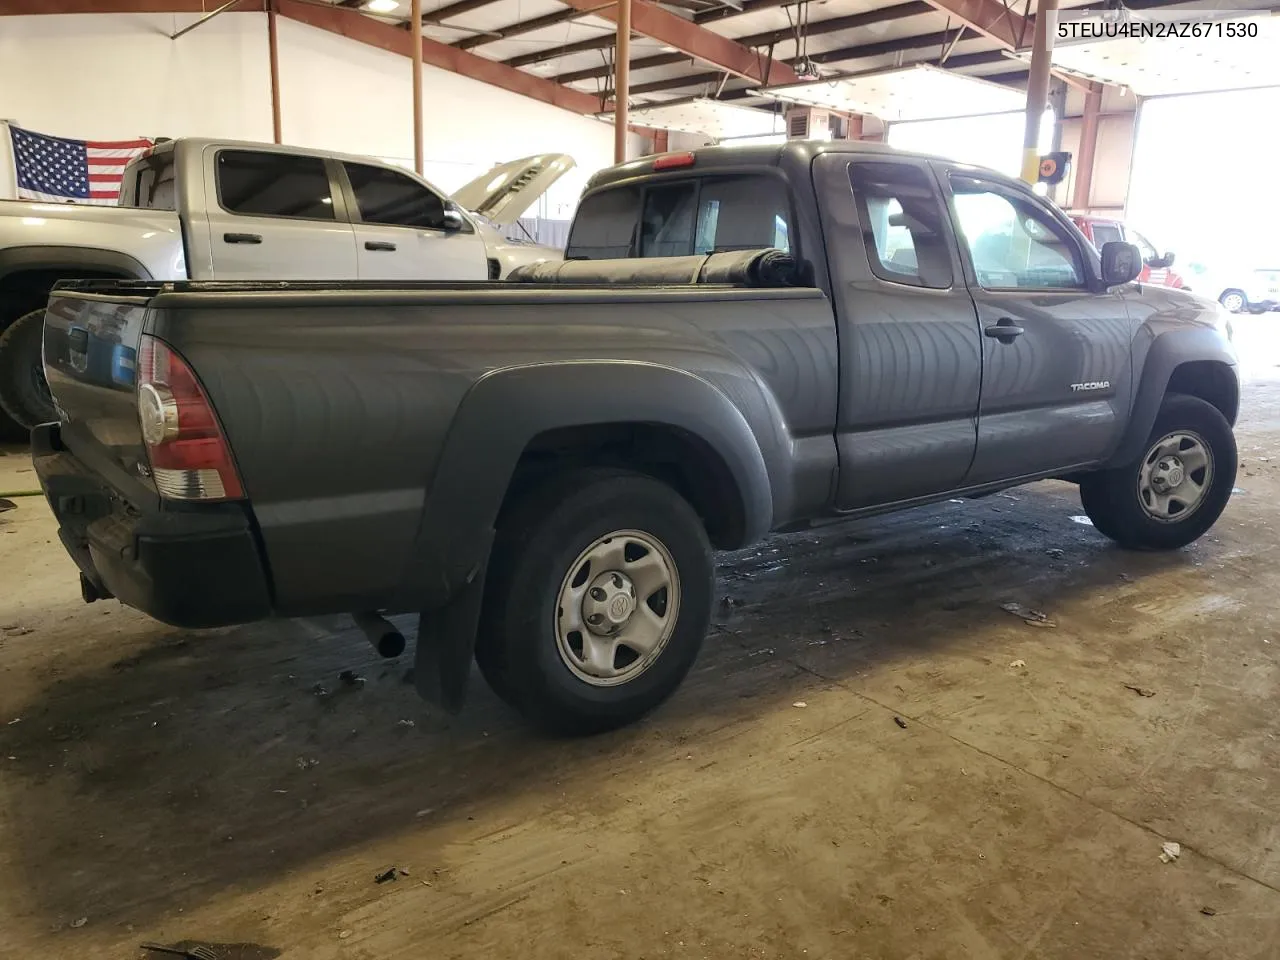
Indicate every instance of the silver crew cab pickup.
{"type": "Point", "coordinates": [220, 210]}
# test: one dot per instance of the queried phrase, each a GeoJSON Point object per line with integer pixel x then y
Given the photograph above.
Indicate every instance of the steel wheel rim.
{"type": "Point", "coordinates": [1234, 302]}
{"type": "Point", "coordinates": [1175, 477]}
{"type": "Point", "coordinates": [617, 608]}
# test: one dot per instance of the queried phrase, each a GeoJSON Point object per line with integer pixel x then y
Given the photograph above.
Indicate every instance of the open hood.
{"type": "Point", "coordinates": [504, 193]}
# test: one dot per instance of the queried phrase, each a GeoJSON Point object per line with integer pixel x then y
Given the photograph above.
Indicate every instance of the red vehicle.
{"type": "Point", "coordinates": [1155, 267]}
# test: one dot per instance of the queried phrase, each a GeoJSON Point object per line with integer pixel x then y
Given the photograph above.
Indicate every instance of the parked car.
{"type": "Point", "coordinates": [543, 468]}
{"type": "Point", "coordinates": [220, 210]}
{"type": "Point", "coordinates": [1156, 267]}
{"type": "Point", "coordinates": [1239, 290]}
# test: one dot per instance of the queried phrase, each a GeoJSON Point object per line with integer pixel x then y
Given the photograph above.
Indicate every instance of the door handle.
{"type": "Point", "coordinates": [1004, 330]}
{"type": "Point", "coordinates": [242, 237]}
{"type": "Point", "coordinates": [378, 245]}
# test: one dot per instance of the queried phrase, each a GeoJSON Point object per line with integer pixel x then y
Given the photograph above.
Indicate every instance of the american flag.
{"type": "Point", "coordinates": [85, 171]}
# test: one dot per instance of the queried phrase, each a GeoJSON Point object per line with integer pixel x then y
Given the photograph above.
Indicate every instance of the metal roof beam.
{"type": "Point", "coordinates": [650, 20]}
{"type": "Point", "coordinates": [356, 26]}
{"type": "Point", "coordinates": [900, 11]}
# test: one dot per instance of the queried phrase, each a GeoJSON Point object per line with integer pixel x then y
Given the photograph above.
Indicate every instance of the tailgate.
{"type": "Point", "coordinates": [92, 331]}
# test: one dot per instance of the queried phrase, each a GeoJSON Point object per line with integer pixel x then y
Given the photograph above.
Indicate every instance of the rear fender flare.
{"type": "Point", "coordinates": [20, 259]}
{"type": "Point", "coordinates": [506, 409]}
{"type": "Point", "coordinates": [74, 260]}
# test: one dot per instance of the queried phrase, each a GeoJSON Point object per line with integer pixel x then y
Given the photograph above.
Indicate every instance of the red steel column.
{"type": "Point", "coordinates": [273, 46]}
{"type": "Point", "coordinates": [416, 31]}
{"type": "Point", "coordinates": [1088, 148]}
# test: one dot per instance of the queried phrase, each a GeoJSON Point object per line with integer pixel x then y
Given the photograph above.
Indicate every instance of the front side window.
{"type": "Point", "coordinates": [1143, 244]}
{"type": "Point", "coordinates": [386, 197]}
{"type": "Point", "coordinates": [257, 184]}
{"type": "Point", "coordinates": [901, 219]}
{"type": "Point", "coordinates": [1013, 244]}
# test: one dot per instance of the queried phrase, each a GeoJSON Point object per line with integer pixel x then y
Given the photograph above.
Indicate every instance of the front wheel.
{"type": "Point", "coordinates": [1176, 490]}
{"type": "Point", "coordinates": [24, 393]}
{"type": "Point", "coordinates": [1234, 300]}
{"type": "Point", "coordinates": [597, 600]}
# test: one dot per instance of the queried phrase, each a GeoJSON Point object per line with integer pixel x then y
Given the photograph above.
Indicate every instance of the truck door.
{"type": "Point", "coordinates": [401, 232]}
{"type": "Point", "coordinates": [1055, 350]}
{"type": "Point", "coordinates": [275, 216]}
{"type": "Point", "coordinates": [910, 360]}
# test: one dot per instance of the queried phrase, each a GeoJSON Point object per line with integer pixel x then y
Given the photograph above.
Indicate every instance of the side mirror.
{"type": "Point", "coordinates": [1161, 263]}
{"type": "Point", "coordinates": [1121, 263]}
{"type": "Point", "coordinates": [452, 219]}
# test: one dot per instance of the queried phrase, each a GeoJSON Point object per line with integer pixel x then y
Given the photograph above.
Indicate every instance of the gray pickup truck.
{"type": "Point", "coordinates": [224, 210]}
{"type": "Point", "coordinates": [542, 470]}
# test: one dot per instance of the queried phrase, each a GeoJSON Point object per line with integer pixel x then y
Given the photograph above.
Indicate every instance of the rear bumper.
{"type": "Point", "coordinates": [193, 568]}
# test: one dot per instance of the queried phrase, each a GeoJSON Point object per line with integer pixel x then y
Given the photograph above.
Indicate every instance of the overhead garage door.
{"type": "Point", "coordinates": [993, 140]}
{"type": "Point", "coordinates": [1201, 181]}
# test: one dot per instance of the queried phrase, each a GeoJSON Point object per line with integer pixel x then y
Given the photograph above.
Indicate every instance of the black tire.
{"type": "Point", "coordinates": [1112, 500]}
{"type": "Point", "coordinates": [1234, 300]}
{"type": "Point", "coordinates": [24, 394]}
{"type": "Point", "coordinates": [538, 541]}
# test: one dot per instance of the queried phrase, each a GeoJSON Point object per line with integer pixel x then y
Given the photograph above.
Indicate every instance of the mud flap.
{"type": "Point", "coordinates": [447, 643]}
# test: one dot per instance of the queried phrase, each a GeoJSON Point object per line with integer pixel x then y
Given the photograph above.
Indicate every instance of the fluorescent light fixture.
{"type": "Point", "coordinates": [382, 6]}
{"type": "Point", "coordinates": [920, 92]}
{"type": "Point", "coordinates": [1175, 64]}
{"type": "Point", "coordinates": [711, 118]}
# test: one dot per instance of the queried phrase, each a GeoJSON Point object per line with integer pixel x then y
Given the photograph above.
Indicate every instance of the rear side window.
{"type": "Point", "coordinates": [1105, 233]}
{"type": "Point", "coordinates": [605, 225]}
{"type": "Point", "coordinates": [151, 182]}
{"type": "Point", "coordinates": [901, 217]}
{"type": "Point", "coordinates": [384, 196]}
{"type": "Point", "coordinates": [710, 215]}
{"type": "Point", "coordinates": [274, 185]}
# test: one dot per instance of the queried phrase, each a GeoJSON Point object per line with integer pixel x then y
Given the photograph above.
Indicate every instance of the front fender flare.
{"type": "Point", "coordinates": [1168, 350]}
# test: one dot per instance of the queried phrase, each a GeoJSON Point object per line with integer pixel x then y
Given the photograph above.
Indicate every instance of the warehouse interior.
{"type": "Point", "coordinates": [977, 728]}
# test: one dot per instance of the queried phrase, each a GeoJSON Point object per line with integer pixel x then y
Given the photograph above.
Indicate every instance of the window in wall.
{"type": "Point", "coordinates": [902, 219]}
{"type": "Point", "coordinates": [1014, 244]}
{"type": "Point", "coordinates": [274, 185]}
{"type": "Point", "coordinates": [386, 197]}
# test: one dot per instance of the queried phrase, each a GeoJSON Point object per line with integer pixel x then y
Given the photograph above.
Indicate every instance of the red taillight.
{"type": "Point", "coordinates": [190, 459]}
{"type": "Point", "coordinates": [673, 161]}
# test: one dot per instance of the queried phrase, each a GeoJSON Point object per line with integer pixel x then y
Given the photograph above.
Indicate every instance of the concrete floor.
{"type": "Point", "coordinates": [161, 785]}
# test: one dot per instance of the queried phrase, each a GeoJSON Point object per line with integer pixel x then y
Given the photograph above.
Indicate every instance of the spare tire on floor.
{"type": "Point", "coordinates": [24, 394]}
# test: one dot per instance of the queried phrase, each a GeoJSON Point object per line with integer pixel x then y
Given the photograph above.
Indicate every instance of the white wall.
{"type": "Point", "coordinates": [114, 76]}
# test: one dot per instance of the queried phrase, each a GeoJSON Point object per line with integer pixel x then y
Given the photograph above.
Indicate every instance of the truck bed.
{"type": "Point", "coordinates": [375, 425]}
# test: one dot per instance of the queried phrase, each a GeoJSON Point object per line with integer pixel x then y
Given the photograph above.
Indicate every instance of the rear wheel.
{"type": "Point", "coordinates": [596, 602]}
{"type": "Point", "coordinates": [1176, 490]}
{"type": "Point", "coordinates": [24, 393]}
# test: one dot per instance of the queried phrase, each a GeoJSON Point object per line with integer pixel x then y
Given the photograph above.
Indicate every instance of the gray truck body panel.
{"type": "Point", "coordinates": [376, 429]}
